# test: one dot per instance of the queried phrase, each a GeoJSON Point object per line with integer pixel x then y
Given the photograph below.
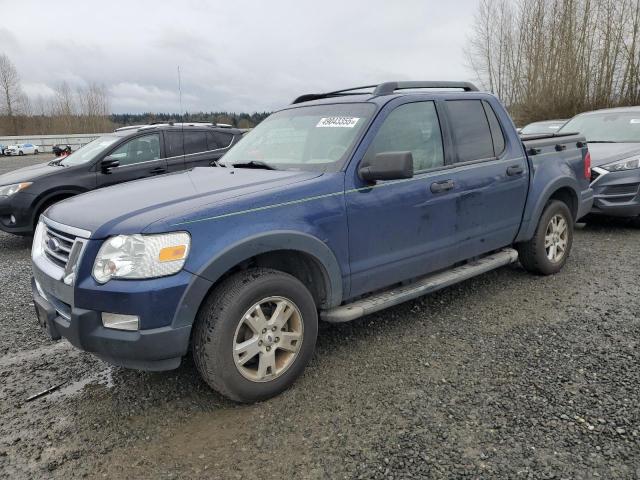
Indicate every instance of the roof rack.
{"type": "Point", "coordinates": [171, 123]}
{"type": "Point", "coordinates": [387, 88]}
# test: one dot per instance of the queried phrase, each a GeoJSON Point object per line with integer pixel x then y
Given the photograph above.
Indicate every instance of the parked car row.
{"type": "Point", "coordinates": [19, 149]}
{"type": "Point", "coordinates": [337, 206]}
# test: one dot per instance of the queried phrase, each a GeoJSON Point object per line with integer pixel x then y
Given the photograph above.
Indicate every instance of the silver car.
{"type": "Point", "coordinates": [614, 143]}
{"type": "Point", "coordinates": [543, 127]}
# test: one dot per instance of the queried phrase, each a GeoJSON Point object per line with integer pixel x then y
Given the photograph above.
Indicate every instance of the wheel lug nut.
{"type": "Point", "coordinates": [268, 349]}
{"type": "Point", "coordinates": [264, 330]}
{"type": "Point", "coordinates": [277, 339]}
{"type": "Point", "coordinates": [273, 329]}
{"type": "Point", "coordinates": [260, 343]}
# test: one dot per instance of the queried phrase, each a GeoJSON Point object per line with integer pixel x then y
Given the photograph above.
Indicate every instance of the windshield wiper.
{"type": "Point", "coordinates": [56, 163]}
{"type": "Point", "coordinates": [254, 164]}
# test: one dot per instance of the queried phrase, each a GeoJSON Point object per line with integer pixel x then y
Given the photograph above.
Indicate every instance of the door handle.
{"type": "Point", "coordinates": [514, 170]}
{"type": "Point", "coordinates": [158, 170]}
{"type": "Point", "coordinates": [443, 186]}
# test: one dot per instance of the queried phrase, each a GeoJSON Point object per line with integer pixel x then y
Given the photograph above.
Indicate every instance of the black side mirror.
{"type": "Point", "coordinates": [387, 166]}
{"type": "Point", "coordinates": [108, 163]}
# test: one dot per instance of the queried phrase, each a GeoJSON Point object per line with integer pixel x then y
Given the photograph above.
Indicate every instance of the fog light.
{"type": "Point", "coordinates": [119, 321]}
{"type": "Point", "coordinates": [12, 219]}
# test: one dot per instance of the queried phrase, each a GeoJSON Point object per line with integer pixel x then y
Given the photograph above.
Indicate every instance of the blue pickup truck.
{"type": "Point", "coordinates": [340, 205]}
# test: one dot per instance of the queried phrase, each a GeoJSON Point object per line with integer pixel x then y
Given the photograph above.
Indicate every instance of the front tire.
{"type": "Point", "coordinates": [548, 250]}
{"type": "Point", "coordinates": [255, 334]}
{"type": "Point", "coordinates": [20, 153]}
{"type": "Point", "coordinates": [35, 152]}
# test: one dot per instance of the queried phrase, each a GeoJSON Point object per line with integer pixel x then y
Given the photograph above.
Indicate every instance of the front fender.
{"type": "Point", "coordinates": [250, 247]}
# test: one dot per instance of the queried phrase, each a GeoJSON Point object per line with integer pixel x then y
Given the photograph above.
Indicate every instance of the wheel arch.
{"type": "Point", "coordinates": [299, 254]}
{"type": "Point", "coordinates": [564, 189]}
{"type": "Point", "coordinates": [49, 198]}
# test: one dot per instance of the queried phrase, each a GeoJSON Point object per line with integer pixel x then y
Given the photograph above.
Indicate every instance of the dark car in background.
{"type": "Point", "coordinates": [540, 128]}
{"type": "Point", "coordinates": [129, 153]}
{"type": "Point", "coordinates": [614, 142]}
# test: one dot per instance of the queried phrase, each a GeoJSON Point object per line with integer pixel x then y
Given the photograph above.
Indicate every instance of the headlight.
{"type": "Point", "coordinates": [9, 190]}
{"type": "Point", "coordinates": [37, 248]}
{"type": "Point", "coordinates": [628, 164]}
{"type": "Point", "coordinates": [141, 256]}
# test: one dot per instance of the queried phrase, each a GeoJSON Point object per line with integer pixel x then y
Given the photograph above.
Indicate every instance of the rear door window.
{"type": "Point", "coordinates": [471, 131]}
{"type": "Point", "coordinates": [195, 142]}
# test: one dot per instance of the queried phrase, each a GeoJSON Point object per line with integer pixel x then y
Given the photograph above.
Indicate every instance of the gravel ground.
{"type": "Point", "coordinates": [504, 376]}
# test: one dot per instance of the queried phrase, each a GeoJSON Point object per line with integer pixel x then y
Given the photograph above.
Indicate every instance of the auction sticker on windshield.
{"type": "Point", "coordinates": [340, 122]}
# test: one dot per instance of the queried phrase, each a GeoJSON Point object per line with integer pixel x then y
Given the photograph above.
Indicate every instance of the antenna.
{"type": "Point", "coordinates": [181, 110]}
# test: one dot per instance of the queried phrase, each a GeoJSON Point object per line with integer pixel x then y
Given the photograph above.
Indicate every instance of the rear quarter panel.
{"type": "Point", "coordinates": [555, 163]}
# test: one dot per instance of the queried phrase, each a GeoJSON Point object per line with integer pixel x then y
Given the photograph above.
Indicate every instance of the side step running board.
{"type": "Point", "coordinates": [428, 284]}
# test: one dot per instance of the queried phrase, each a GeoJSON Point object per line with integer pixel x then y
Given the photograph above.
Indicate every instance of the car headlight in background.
{"type": "Point", "coordinates": [37, 248]}
{"type": "Point", "coordinates": [8, 190]}
{"type": "Point", "coordinates": [627, 164]}
{"type": "Point", "coordinates": [141, 256]}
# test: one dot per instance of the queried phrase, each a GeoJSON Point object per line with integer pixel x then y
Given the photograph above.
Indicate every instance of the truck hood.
{"type": "Point", "coordinates": [132, 206]}
{"type": "Point", "coordinates": [603, 153]}
{"type": "Point", "coordinates": [29, 174]}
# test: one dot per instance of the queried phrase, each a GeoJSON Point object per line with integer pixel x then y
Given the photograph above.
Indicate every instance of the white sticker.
{"type": "Point", "coordinates": [340, 122]}
{"type": "Point", "coordinates": [635, 120]}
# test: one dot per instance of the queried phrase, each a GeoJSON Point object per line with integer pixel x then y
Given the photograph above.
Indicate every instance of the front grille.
{"type": "Point", "coordinates": [57, 246]}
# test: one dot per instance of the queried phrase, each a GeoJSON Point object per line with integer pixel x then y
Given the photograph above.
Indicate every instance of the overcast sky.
{"type": "Point", "coordinates": [233, 55]}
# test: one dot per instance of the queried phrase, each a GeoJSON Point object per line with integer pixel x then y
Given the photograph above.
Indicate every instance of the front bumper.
{"type": "Point", "coordinates": [155, 349]}
{"type": "Point", "coordinates": [616, 194]}
{"type": "Point", "coordinates": [21, 207]}
{"type": "Point", "coordinates": [75, 313]}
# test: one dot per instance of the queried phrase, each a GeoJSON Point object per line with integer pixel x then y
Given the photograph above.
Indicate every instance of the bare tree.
{"type": "Point", "coordinates": [555, 58]}
{"type": "Point", "coordinates": [12, 96]}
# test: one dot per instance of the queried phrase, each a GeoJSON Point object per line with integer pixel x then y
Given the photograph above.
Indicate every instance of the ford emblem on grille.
{"type": "Point", "coordinates": [53, 244]}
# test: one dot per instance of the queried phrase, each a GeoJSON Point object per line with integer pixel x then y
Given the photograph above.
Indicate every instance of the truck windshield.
{"type": "Point", "coordinates": [316, 138]}
{"type": "Point", "coordinates": [614, 127]}
{"type": "Point", "coordinates": [89, 151]}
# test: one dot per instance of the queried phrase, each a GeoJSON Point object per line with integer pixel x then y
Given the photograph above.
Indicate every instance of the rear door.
{"type": "Point", "coordinates": [139, 157]}
{"type": "Point", "coordinates": [490, 178]}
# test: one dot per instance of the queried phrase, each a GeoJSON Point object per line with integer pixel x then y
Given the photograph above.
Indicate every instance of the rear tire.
{"type": "Point", "coordinates": [238, 344]}
{"type": "Point", "coordinates": [20, 153]}
{"type": "Point", "coordinates": [548, 250]}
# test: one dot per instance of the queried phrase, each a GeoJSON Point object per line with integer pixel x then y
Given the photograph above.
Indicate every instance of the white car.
{"type": "Point", "coordinates": [22, 149]}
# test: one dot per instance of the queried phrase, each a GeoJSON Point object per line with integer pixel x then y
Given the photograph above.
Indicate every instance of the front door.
{"type": "Point", "coordinates": [400, 229]}
{"type": "Point", "coordinates": [139, 157]}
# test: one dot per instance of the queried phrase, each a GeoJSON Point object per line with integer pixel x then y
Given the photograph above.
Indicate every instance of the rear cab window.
{"type": "Point", "coordinates": [472, 131]}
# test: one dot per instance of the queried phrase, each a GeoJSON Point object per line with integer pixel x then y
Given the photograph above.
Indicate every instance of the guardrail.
{"type": "Point", "coordinates": [46, 142]}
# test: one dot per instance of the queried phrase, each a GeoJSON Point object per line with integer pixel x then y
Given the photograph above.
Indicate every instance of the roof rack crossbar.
{"type": "Point", "coordinates": [338, 93]}
{"type": "Point", "coordinates": [387, 88]}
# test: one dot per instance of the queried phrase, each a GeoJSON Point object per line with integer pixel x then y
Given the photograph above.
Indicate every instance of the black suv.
{"type": "Point", "coordinates": [129, 153]}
